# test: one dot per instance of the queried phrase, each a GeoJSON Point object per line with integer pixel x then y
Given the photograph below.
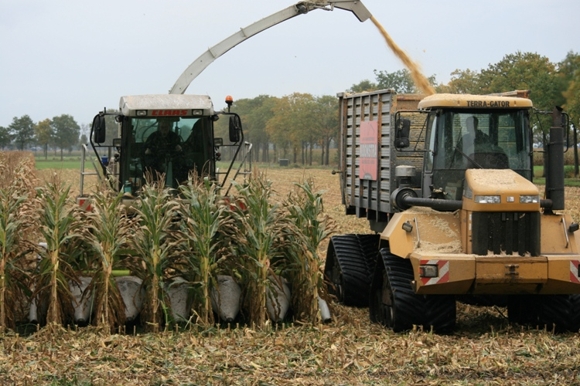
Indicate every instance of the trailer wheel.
{"type": "Point", "coordinates": [395, 304]}
{"type": "Point", "coordinates": [346, 270]}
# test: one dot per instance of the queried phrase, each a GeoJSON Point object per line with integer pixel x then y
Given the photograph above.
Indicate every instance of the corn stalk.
{"type": "Point", "coordinates": [202, 223]}
{"type": "Point", "coordinates": [107, 231]}
{"type": "Point", "coordinates": [304, 264]}
{"type": "Point", "coordinates": [11, 249]}
{"type": "Point", "coordinates": [154, 243]}
{"type": "Point", "coordinates": [17, 221]}
{"type": "Point", "coordinates": [257, 238]}
{"type": "Point", "coordinates": [59, 228]}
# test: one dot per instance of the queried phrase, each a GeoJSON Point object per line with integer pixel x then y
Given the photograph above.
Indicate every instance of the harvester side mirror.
{"type": "Point", "coordinates": [235, 128]}
{"type": "Point", "coordinates": [99, 129]}
{"type": "Point", "coordinates": [403, 127]}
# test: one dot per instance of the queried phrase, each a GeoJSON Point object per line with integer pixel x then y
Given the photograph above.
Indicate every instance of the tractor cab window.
{"type": "Point", "coordinates": [485, 139]}
{"type": "Point", "coordinates": [168, 148]}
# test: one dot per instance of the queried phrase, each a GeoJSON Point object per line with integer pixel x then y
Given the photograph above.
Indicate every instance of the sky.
{"type": "Point", "coordinates": [76, 57]}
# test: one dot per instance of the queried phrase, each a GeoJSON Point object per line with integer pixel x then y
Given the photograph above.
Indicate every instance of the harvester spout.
{"type": "Point", "coordinates": [301, 8]}
{"type": "Point", "coordinates": [355, 6]}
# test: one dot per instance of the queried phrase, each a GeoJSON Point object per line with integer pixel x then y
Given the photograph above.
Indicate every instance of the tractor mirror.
{"type": "Point", "coordinates": [235, 128]}
{"type": "Point", "coordinates": [403, 127]}
{"type": "Point", "coordinates": [99, 129]}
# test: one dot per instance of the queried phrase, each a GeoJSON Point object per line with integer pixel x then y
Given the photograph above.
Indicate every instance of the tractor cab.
{"type": "Point", "coordinates": [474, 132]}
{"type": "Point", "coordinates": [163, 137]}
{"type": "Point", "coordinates": [487, 133]}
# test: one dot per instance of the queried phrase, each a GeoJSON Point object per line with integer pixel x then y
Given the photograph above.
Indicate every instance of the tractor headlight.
{"type": "Point", "coordinates": [529, 199]}
{"type": "Point", "coordinates": [428, 270]}
{"type": "Point", "coordinates": [487, 199]}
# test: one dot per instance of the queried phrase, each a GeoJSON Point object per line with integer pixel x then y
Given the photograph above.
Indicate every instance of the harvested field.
{"type": "Point", "coordinates": [350, 350]}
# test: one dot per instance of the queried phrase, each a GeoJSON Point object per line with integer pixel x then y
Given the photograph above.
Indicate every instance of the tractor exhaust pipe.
{"type": "Point", "coordinates": [555, 172]}
{"type": "Point", "coordinates": [403, 198]}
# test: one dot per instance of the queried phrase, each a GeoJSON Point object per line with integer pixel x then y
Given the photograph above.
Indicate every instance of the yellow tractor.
{"type": "Point", "coordinates": [446, 183]}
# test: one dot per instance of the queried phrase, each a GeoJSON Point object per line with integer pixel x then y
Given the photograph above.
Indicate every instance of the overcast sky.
{"type": "Point", "coordinates": [76, 57]}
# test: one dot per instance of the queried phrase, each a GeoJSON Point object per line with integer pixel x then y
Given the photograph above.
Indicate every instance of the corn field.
{"type": "Point", "coordinates": [195, 241]}
{"type": "Point", "coordinates": [165, 240]}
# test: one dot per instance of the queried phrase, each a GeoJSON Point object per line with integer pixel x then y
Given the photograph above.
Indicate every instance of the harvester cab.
{"type": "Point", "coordinates": [455, 213]}
{"type": "Point", "coordinates": [164, 136]}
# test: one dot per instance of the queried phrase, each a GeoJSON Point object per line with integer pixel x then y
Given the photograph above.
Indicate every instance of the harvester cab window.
{"type": "Point", "coordinates": [170, 147]}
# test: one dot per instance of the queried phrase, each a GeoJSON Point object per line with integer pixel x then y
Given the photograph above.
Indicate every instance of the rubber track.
{"type": "Point", "coordinates": [406, 306]}
{"type": "Point", "coordinates": [435, 312]}
{"type": "Point", "coordinates": [352, 254]}
{"type": "Point", "coordinates": [574, 320]}
{"type": "Point", "coordinates": [553, 312]}
{"type": "Point", "coordinates": [370, 248]}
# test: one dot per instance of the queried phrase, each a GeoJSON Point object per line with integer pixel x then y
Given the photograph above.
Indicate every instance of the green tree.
{"type": "Point", "coordinates": [327, 121]}
{"type": "Point", "coordinates": [44, 133]}
{"type": "Point", "coordinates": [66, 132]}
{"type": "Point", "coordinates": [4, 137]}
{"type": "Point", "coordinates": [293, 124]}
{"type": "Point", "coordinates": [362, 86]}
{"type": "Point", "coordinates": [525, 71]}
{"type": "Point", "coordinates": [22, 131]}
{"type": "Point", "coordinates": [84, 139]}
{"type": "Point", "coordinates": [569, 70]}
{"type": "Point", "coordinates": [276, 127]}
{"type": "Point", "coordinates": [462, 82]}
{"type": "Point", "coordinates": [255, 113]}
{"type": "Point", "coordinates": [400, 81]}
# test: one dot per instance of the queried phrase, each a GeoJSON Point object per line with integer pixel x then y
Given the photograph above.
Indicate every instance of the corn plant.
{"type": "Point", "coordinates": [59, 229]}
{"type": "Point", "coordinates": [258, 237]}
{"type": "Point", "coordinates": [203, 220]}
{"type": "Point", "coordinates": [107, 230]}
{"type": "Point", "coordinates": [154, 243]}
{"type": "Point", "coordinates": [13, 247]}
{"type": "Point", "coordinates": [304, 264]}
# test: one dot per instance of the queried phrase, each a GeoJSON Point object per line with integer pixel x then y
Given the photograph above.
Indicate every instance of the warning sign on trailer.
{"type": "Point", "coordinates": [368, 150]}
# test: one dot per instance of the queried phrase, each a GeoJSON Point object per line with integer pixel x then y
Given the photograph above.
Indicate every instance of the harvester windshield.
{"type": "Point", "coordinates": [172, 147]}
{"type": "Point", "coordinates": [483, 139]}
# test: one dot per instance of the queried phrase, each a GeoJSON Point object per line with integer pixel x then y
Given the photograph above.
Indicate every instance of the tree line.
{"type": "Point", "coordinates": [61, 132]}
{"type": "Point", "coordinates": [293, 126]}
